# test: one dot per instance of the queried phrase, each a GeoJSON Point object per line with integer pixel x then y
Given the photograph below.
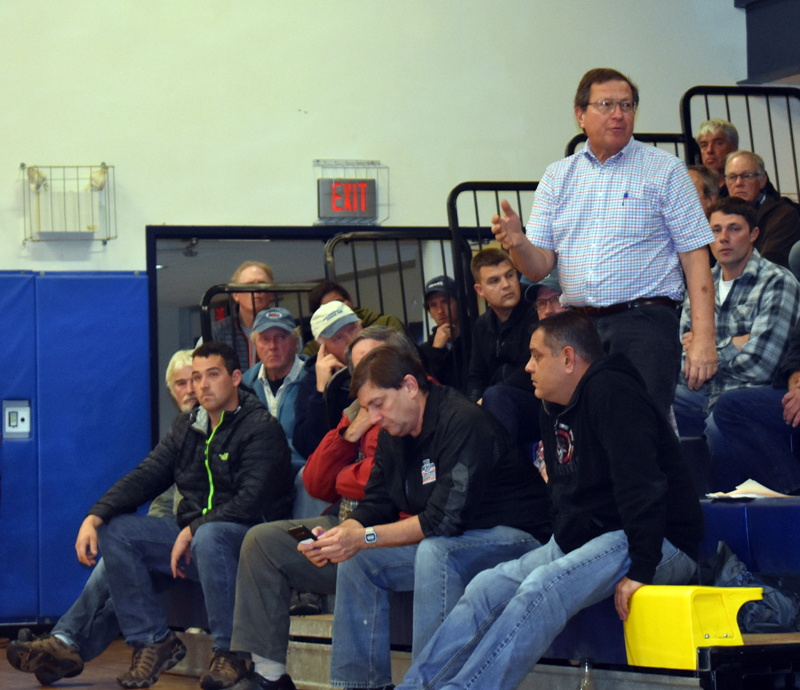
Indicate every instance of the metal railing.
{"type": "Point", "coordinates": [387, 271]}
{"type": "Point", "coordinates": [673, 142]}
{"type": "Point", "coordinates": [766, 117]}
{"type": "Point", "coordinates": [470, 207]}
{"type": "Point", "coordinates": [291, 296]}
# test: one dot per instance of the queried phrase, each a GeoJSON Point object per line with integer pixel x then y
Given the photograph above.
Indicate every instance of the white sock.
{"type": "Point", "coordinates": [269, 669]}
{"type": "Point", "coordinates": [66, 639]}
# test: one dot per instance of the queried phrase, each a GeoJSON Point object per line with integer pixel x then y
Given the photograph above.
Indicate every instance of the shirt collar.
{"type": "Point", "coordinates": [750, 269]}
{"type": "Point", "coordinates": [294, 372]}
{"type": "Point", "coordinates": [587, 151]}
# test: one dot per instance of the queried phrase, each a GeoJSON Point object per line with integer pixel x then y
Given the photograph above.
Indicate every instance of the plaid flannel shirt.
{"type": "Point", "coordinates": [764, 301]}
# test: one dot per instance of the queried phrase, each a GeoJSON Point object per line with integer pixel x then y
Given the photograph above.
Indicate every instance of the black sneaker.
{"type": "Point", "coordinates": [254, 681]}
{"type": "Point", "coordinates": [224, 671]}
{"type": "Point", "coordinates": [150, 660]}
{"type": "Point", "coordinates": [306, 604]}
{"type": "Point", "coordinates": [47, 657]}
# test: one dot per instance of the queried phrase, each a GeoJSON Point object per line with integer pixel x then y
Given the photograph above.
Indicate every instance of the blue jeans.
{"type": "Point", "coordinates": [510, 615]}
{"type": "Point", "coordinates": [753, 441]}
{"type": "Point", "coordinates": [691, 412]}
{"type": "Point", "coordinates": [91, 622]}
{"type": "Point", "coordinates": [135, 545]}
{"type": "Point", "coordinates": [437, 570]}
{"type": "Point", "coordinates": [649, 337]}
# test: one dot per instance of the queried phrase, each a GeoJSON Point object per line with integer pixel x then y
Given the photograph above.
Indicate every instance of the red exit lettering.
{"type": "Point", "coordinates": [348, 196]}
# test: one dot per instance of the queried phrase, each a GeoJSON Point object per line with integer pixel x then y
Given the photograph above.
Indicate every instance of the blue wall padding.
{"type": "Point", "coordinates": [94, 410]}
{"type": "Point", "coordinates": [19, 505]}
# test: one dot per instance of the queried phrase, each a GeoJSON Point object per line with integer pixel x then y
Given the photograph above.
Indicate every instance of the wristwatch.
{"type": "Point", "coordinates": [369, 536]}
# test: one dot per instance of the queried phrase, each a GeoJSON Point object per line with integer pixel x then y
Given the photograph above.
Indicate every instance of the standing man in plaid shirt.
{"type": "Point", "coordinates": [623, 218]}
{"type": "Point", "coordinates": [757, 305]}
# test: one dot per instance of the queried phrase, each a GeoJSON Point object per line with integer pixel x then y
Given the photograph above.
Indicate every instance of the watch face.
{"type": "Point", "coordinates": [370, 537]}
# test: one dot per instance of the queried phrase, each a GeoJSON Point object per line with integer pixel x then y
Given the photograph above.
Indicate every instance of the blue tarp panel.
{"type": "Point", "coordinates": [92, 411]}
{"type": "Point", "coordinates": [19, 555]}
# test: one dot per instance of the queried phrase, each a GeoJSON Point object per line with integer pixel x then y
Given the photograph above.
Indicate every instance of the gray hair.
{"type": "Point", "coordinates": [719, 125]}
{"type": "Point", "coordinates": [181, 359]}
{"type": "Point", "coordinates": [709, 178]}
{"type": "Point", "coordinates": [754, 158]}
{"type": "Point", "coordinates": [383, 334]}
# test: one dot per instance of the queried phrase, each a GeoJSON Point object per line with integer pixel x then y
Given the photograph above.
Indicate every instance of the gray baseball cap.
{"type": "Point", "coordinates": [275, 317]}
{"type": "Point", "coordinates": [330, 317]}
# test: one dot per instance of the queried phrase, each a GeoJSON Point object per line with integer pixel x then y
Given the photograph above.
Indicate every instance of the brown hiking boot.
{"type": "Point", "coordinates": [150, 660]}
{"type": "Point", "coordinates": [47, 657]}
{"type": "Point", "coordinates": [224, 671]}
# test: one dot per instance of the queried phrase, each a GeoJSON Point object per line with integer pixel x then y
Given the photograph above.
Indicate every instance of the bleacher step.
{"type": "Point", "coordinates": [310, 654]}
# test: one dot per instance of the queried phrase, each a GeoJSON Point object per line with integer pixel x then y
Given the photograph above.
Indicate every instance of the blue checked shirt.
{"type": "Point", "coordinates": [617, 227]}
{"type": "Point", "coordinates": [764, 301]}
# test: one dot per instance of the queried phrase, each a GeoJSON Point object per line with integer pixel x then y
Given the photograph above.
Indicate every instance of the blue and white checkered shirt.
{"type": "Point", "coordinates": [764, 301]}
{"type": "Point", "coordinates": [617, 227]}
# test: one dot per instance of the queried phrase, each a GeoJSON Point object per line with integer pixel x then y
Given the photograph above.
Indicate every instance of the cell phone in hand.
{"type": "Point", "coordinates": [302, 533]}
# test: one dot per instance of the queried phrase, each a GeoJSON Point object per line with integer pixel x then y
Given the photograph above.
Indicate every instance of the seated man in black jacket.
{"type": "Point", "coordinates": [448, 496]}
{"type": "Point", "coordinates": [442, 352]}
{"type": "Point", "coordinates": [230, 461]}
{"type": "Point", "coordinates": [625, 514]}
{"type": "Point", "coordinates": [500, 339]}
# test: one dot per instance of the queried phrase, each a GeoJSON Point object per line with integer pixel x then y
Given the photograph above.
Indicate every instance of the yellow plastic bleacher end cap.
{"type": "Point", "coordinates": [667, 624]}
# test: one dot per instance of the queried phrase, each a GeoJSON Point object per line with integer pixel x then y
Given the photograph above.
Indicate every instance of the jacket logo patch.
{"type": "Point", "coordinates": [428, 472]}
{"type": "Point", "coordinates": [223, 456]}
{"type": "Point", "coordinates": [564, 443]}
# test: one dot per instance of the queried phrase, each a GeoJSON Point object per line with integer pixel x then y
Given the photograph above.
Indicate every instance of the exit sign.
{"type": "Point", "coordinates": [346, 198]}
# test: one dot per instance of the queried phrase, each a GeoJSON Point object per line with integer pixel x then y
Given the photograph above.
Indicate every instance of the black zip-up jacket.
{"type": "Point", "coordinates": [311, 411]}
{"type": "Point", "coordinates": [614, 462]}
{"type": "Point", "coordinates": [500, 350]}
{"type": "Point", "coordinates": [461, 472]}
{"type": "Point", "coordinates": [239, 472]}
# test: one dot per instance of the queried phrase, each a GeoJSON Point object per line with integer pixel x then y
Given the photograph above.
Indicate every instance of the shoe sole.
{"type": "Point", "coordinates": [177, 656]}
{"type": "Point", "coordinates": [209, 683]}
{"type": "Point", "coordinates": [46, 667]}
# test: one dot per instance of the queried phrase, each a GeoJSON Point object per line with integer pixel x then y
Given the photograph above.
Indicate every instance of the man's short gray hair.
{"type": "Point", "coordinates": [754, 158]}
{"type": "Point", "coordinates": [719, 125]}
{"type": "Point", "coordinates": [383, 334]}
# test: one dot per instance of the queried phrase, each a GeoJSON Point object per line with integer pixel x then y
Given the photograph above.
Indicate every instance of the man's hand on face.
{"type": "Point", "coordinates": [444, 334]}
{"type": "Point", "coordinates": [507, 228]}
{"type": "Point", "coordinates": [358, 427]}
{"type": "Point", "coordinates": [326, 365]}
{"type": "Point", "coordinates": [181, 547]}
{"type": "Point", "coordinates": [86, 543]}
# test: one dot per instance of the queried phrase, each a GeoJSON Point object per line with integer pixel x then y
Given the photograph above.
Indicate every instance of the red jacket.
{"type": "Point", "coordinates": [332, 471]}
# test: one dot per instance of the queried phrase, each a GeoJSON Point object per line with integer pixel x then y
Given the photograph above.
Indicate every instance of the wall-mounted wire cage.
{"type": "Point", "coordinates": [69, 202]}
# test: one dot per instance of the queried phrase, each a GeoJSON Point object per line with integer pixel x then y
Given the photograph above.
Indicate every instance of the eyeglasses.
{"type": "Point", "coordinates": [553, 301]}
{"type": "Point", "coordinates": [608, 107]}
{"type": "Point", "coordinates": [746, 177]}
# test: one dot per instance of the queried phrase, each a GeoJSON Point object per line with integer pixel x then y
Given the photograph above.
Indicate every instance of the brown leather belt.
{"type": "Point", "coordinates": [624, 306]}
